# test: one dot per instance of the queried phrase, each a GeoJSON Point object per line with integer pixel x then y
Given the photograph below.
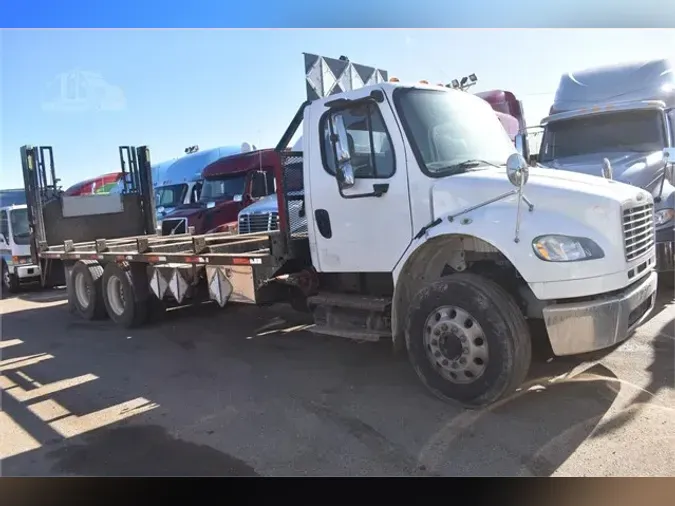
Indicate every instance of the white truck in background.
{"type": "Point", "coordinates": [441, 239]}
{"type": "Point", "coordinates": [621, 117]}
{"type": "Point", "coordinates": [15, 256]}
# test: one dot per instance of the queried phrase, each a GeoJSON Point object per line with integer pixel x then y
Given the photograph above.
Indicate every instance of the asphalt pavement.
{"type": "Point", "coordinates": [244, 391]}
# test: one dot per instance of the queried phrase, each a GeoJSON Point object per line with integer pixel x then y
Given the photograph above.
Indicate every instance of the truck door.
{"type": "Point", "coordinates": [355, 231]}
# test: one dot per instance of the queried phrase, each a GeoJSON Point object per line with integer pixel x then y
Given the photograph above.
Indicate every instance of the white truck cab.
{"type": "Point", "coordinates": [422, 184]}
{"type": "Point", "coordinates": [17, 265]}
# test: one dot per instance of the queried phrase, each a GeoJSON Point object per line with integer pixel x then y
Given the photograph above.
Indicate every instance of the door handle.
{"type": "Point", "coordinates": [323, 223]}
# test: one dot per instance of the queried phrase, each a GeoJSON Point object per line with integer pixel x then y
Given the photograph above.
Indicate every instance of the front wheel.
{"type": "Point", "coordinates": [468, 340]}
{"type": "Point", "coordinates": [10, 282]}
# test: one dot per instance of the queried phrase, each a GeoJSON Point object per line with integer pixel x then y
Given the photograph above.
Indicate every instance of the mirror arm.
{"type": "Point", "coordinates": [657, 199]}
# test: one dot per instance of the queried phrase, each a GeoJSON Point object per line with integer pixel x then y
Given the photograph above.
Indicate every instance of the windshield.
{"type": "Point", "coordinates": [447, 128]}
{"type": "Point", "coordinates": [12, 197]}
{"type": "Point", "coordinates": [171, 195]}
{"type": "Point", "coordinates": [224, 187]}
{"type": "Point", "coordinates": [636, 131]}
{"type": "Point", "coordinates": [20, 228]}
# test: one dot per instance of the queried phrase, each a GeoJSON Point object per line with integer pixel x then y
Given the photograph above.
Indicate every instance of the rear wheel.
{"type": "Point", "coordinates": [468, 340]}
{"type": "Point", "coordinates": [125, 294]}
{"type": "Point", "coordinates": [86, 292]}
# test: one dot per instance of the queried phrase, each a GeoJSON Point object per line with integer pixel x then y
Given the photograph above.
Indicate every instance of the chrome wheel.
{"type": "Point", "coordinates": [82, 291]}
{"type": "Point", "coordinates": [115, 293]}
{"type": "Point", "coordinates": [455, 344]}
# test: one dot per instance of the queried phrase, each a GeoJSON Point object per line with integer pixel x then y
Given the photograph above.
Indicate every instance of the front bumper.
{"type": "Point", "coordinates": [27, 271]}
{"type": "Point", "coordinates": [581, 327]}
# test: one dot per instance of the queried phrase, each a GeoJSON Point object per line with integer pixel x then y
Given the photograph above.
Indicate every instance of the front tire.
{"type": "Point", "coordinates": [468, 340]}
{"type": "Point", "coordinates": [10, 282]}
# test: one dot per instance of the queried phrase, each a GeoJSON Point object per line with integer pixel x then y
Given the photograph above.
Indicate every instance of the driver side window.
{"type": "Point", "coordinates": [370, 146]}
{"type": "Point", "coordinates": [4, 226]}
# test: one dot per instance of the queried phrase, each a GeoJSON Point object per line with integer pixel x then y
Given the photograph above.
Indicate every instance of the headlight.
{"type": "Point", "coordinates": [663, 216]}
{"type": "Point", "coordinates": [562, 248]}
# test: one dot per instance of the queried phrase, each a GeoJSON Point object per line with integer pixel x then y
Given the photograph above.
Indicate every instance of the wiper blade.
{"type": "Point", "coordinates": [458, 168]}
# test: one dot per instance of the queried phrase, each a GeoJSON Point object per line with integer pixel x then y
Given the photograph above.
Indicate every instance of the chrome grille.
{"type": "Point", "coordinates": [174, 226]}
{"type": "Point", "coordinates": [263, 222]}
{"type": "Point", "coordinates": [638, 230]}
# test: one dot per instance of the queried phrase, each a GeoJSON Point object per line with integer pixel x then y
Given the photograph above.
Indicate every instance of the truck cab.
{"type": "Point", "coordinates": [446, 221]}
{"type": "Point", "coordinates": [179, 182]}
{"type": "Point", "coordinates": [229, 184]}
{"type": "Point", "coordinates": [620, 117]}
{"type": "Point", "coordinates": [15, 250]}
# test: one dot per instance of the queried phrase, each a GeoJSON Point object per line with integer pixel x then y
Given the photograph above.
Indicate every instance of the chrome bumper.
{"type": "Point", "coordinates": [665, 256]}
{"type": "Point", "coordinates": [580, 327]}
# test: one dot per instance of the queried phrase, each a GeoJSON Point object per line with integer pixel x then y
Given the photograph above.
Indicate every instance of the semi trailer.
{"type": "Point", "coordinates": [439, 237]}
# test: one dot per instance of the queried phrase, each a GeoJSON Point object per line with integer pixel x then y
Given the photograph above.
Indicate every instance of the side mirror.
{"type": "Point", "coordinates": [517, 170]}
{"type": "Point", "coordinates": [258, 185]}
{"type": "Point", "coordinates": [669, 156]}
{"type": "Point", "coordinates": [237, 198]}
{"type": "Point", "coordinates": [344, 172]}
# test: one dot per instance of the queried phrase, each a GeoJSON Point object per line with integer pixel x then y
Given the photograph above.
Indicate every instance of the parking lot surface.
{"type": "Point", "coordinates": [246, 391]}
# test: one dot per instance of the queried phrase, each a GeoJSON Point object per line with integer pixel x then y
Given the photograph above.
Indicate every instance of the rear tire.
{"type": "Point", "coordinates": [467, 340]}
{"type": "Point", "coordinates": [87, 292]}
{"type": "Point", "coordinates": [125, 293]}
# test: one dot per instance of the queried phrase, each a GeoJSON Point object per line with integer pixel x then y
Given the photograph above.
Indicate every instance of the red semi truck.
{"type": "Point", "coordinates": [230, 184]}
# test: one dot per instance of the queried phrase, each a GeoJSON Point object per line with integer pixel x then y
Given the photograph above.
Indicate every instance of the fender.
{"type": "Point", "coordinates": [491, 232]}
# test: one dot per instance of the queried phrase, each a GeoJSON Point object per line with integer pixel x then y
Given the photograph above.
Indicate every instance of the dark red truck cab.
{"type": "Point", "coordinates": [230, 184]}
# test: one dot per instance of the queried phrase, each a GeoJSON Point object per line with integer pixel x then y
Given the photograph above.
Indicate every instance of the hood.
{"type": "Point", "coordinates": [638, 169]}
{"type": "Point", "coordinates": [267, 204]}
{"type": "Point", "coordinates": [555, 190]}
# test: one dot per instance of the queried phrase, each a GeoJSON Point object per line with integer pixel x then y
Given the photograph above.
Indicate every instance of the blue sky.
{"type": "Point", "coordinates": [175, 88]}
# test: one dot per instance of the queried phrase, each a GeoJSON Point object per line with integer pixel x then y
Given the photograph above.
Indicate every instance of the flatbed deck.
{"type": "Point", "coordinates": [223, 248]}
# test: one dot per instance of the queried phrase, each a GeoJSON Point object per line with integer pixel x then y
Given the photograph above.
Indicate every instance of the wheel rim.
{"type": "Point", "coordinates": [455, 344]}
{"type": "Point", "coordinates": [115, 293]}
{"type": "Point", "coordinates": [82, 290]}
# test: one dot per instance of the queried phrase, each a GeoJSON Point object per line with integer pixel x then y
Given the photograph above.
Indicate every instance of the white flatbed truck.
{"type": "Point", "coordinates": [441, 239]}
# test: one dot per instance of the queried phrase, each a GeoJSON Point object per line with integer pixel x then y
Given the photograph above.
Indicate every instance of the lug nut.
{"type": "Point", "coordinates": [437, 354]}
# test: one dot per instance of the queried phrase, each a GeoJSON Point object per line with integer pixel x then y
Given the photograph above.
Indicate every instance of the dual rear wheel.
{"type": "Point", "coordinates": [118, 290]}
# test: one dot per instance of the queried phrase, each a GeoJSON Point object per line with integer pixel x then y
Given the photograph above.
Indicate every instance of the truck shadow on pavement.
{"type": "Point", "coordinates": [246, 391]}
